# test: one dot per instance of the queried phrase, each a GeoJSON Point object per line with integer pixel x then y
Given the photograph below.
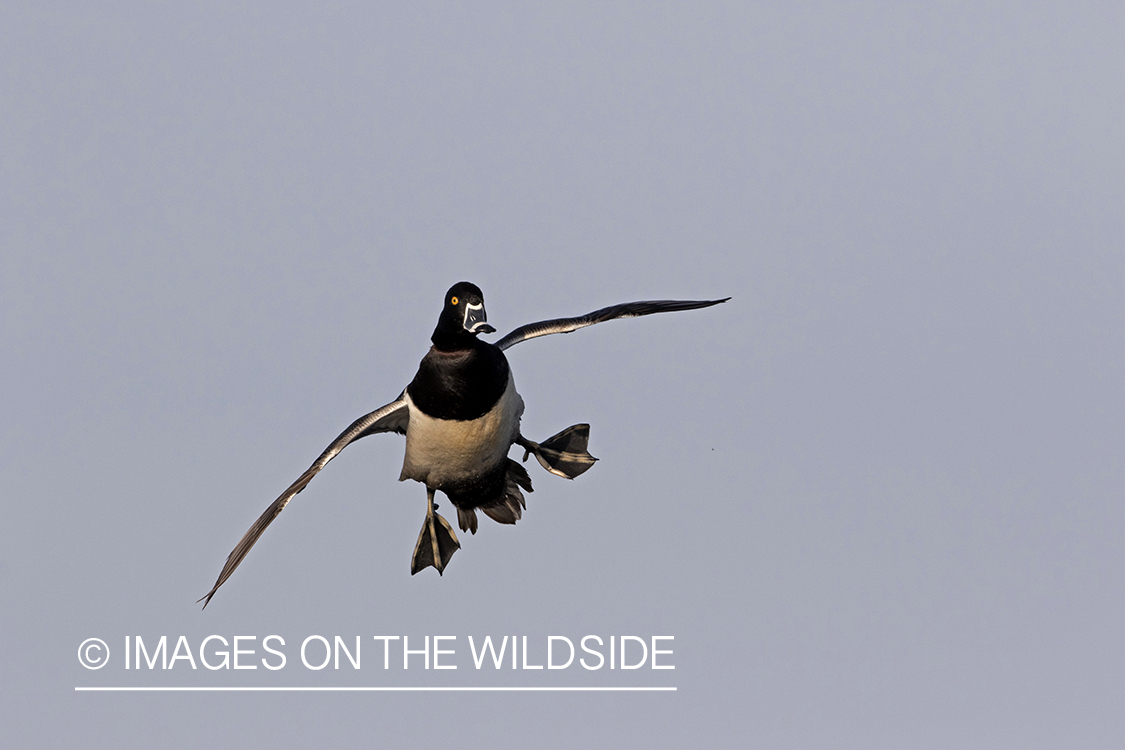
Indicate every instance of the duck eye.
{"type": "Point", "coordinates": [453, 300]}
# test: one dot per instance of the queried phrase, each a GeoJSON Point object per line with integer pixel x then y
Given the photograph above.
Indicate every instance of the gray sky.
{"type": "Point", "coordinates": [875, 498]}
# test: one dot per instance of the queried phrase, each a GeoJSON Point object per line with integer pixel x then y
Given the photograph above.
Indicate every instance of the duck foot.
{"type": "Point", "coordinates": [436, 542]}
{"type": "Point", "coordinates": [563, 454]}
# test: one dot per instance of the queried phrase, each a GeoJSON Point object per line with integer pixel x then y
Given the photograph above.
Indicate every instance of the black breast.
{"type": "Point", "coordinates": [463, 384]}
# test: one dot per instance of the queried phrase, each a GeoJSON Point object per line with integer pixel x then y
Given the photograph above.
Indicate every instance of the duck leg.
{"type": "Point", "coordinates": [436, 542]}
{"type": "Point", "coordinates": [563, 454]}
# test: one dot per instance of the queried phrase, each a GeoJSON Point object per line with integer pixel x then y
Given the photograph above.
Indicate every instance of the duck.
{"type": "Point", "coordinates": [461, 416]}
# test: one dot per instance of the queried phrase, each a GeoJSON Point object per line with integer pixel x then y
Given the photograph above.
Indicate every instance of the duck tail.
{"type": "Point", "coordinates": [510, 507]}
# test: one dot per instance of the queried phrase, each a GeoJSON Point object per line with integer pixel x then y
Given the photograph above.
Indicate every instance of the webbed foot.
{"type": "Point", "coordinates": [436, 542]}
{"type": "Point", "coordinates": [563, 454]}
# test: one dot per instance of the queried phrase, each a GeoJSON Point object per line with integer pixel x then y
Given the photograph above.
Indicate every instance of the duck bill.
{"type": "Point", "coordinates": [476, 321]}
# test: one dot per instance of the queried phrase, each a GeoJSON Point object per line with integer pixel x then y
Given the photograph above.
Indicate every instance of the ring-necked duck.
{"type": "Point", "coordinates": [461, 415]}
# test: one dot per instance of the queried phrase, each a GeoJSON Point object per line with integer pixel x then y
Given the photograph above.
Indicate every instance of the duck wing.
{"type": "Point", "coordinates": [624, 310]}
{"type": "Point", "coordinates": [393, 417]}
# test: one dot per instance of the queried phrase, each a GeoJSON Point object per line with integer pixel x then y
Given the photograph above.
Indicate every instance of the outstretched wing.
{"type": "Point", "coordinates": [625, 310]}
{"type": "Point", "coordinates": [393, 417]}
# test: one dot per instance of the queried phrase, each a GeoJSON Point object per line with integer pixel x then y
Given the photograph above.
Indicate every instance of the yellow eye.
{"type": "Point", "coordinates": [453, 300]}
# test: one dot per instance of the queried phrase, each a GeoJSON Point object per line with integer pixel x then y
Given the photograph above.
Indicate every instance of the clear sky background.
{"type": "Point", "coordinates": [876, 497]}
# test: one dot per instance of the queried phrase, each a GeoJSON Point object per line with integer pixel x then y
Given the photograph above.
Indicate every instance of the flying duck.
{"type": "Point", "coordinates": [460, 415]}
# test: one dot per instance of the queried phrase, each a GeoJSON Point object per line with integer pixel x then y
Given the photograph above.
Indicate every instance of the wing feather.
{"type": "Point", "coordinates": [624, 310]}
{"type": "Point", "coordinates": [393, 417]}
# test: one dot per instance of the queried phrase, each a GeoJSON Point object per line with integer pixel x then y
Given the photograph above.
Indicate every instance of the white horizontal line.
{"type": "Point", "coordinates": [371, 689]}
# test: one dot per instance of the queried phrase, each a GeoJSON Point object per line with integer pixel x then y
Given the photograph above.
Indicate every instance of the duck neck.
{"type": "Point", "coordinates": [452, 341]}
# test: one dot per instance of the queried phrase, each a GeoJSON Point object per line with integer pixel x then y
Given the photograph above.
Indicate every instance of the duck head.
{"type": "Point", "coordinates": [462, 317]}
